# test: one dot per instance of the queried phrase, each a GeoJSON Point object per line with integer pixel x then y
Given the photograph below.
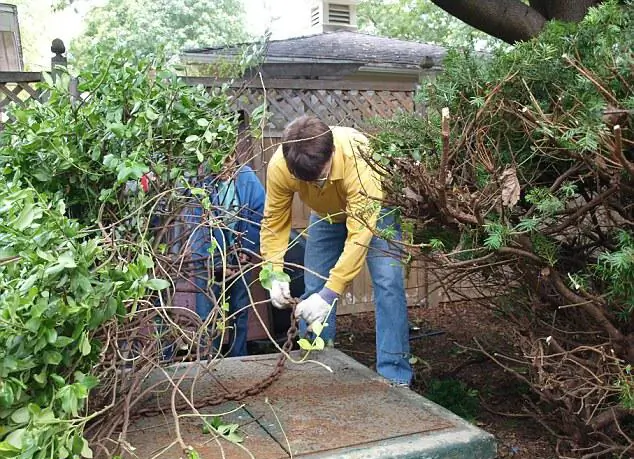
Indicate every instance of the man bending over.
{"type": "Point", "coordinates": [325, 166]}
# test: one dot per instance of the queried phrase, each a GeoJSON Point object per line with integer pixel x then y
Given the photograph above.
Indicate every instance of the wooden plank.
{"type": "Point", "coordinates": [359, 296]}
{"type": "Point", "coordinates": [259, 321]}
{"type": "Point", "coordinates": [19, 77]}
{"type": "Point", "coordinates": [307, 84]}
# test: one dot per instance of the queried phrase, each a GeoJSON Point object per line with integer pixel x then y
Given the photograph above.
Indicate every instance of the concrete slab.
{"type": "Point", "coordinates": [310, 412]}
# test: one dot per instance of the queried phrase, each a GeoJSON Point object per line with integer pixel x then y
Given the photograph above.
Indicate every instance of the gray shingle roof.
{"type": "Point", "coordinates": [345, 46]}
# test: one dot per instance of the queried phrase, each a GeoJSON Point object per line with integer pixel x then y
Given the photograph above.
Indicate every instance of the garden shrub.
{"type": "Point", "coordinates": [90, 179]}
{"type": "Point", "coordinates": [525, 191]}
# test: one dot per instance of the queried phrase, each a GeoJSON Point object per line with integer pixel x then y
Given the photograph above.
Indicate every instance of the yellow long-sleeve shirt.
{"type": "Point", "coordinates": [352, 193]}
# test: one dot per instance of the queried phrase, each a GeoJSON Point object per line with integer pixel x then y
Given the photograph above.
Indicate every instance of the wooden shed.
{"type": "Point", "coordinates": [341, 75]}
{"type": "Point", "coordinates": [10, 44]}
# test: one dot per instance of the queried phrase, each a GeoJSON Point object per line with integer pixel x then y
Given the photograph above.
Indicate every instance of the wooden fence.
{"type": "Point", "coordinates": [346, 103]}
{"type": "Point", "coordinates": [17, 87]}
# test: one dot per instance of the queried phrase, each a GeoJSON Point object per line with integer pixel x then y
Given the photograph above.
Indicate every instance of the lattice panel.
{"type": "Point", "coordinates": [336, 106]}
{"type": "Point", "coordinates": [18, 93]}
{"type": "Point", "coordinates": [348, 107]}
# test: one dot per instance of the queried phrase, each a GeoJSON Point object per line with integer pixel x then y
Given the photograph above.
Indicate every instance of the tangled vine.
{"type": "Point", "coordinates": [520, 184]}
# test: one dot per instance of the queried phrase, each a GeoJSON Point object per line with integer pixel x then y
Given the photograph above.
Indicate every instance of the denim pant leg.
{"type": "Point", "coordinates": [239, 301]}
{"type": "Point", "coordinates": [392, 329]}
{"type": "Point", "coordinates": [204, 308]}
{"type": "Point", "coordinates": [323, 248]}
{"type": "Point", "coordinates": [204, 305]}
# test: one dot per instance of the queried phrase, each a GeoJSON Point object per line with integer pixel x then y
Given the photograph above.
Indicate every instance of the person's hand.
{"type": "Point", "coordinates": [281, 294]}
{"type": "Point", "coordinates": [312, 309]}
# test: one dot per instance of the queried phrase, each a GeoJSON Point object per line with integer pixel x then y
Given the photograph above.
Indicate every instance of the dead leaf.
{"type": "Point", "coordinates": [510, 187]}
{"type": "Point", "coordinates": [411, 194]}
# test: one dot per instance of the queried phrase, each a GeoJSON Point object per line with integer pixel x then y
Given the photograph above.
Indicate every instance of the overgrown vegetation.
{"type": "Point", "coordinates": [94, 185]}
{"type": "Point", "coordinates": [524, 191]}
{"type": "Point", "coordinates": [455, 396]}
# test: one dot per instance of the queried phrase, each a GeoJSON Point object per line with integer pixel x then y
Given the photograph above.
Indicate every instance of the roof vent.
{"type": "Point", "coordinates": [315, 18]}
{"type": "Point", "coordinates": [338, 14]}
{"type": "Point", "coordinates": [327, 17]}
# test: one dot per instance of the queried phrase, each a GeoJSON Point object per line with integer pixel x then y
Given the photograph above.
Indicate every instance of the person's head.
{"type": "Point", "coordinates": [307, 145]}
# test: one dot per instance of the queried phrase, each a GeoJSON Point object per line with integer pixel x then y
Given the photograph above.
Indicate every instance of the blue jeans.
{"type": "Point", "coordinates": [238, 293]}
{"type": "Point", "coordinates": [324, 246]}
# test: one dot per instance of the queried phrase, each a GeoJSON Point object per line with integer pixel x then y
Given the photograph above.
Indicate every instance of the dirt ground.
{"type": "Point", "coordinates": [488, 390]}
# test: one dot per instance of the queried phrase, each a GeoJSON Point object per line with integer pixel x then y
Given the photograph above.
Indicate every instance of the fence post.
{"type": "Point", "coordinates": [58, 60]}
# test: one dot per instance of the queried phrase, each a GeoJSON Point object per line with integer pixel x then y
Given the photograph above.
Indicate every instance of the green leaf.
{"type": "Point", "coordinates": [117, 129]}
{"type": "Point", "coordinates": [85, 450]}
{"type": "Point", "coordinates": [21, 415]}
{"type": "Point", "coordinates": [69, 400]}
{"type": "Point", "coordinates": [16, 438]}
{"type": "Point", "coordinates": [29, 282]}
{"type": "Point", "coordinates": [6, 447]}
{"type": "Point", "coordinates": [146, 261]}
{"type": "Point", "coordinates": [234, 437]}
{"type": "Point", "coordinates": [191, 138]}
{"type": "Point", "coordinates": [58, 379]}
{"type": "Point", "coordinates": [40, 377]}
{"type": "Point", "coordinates": [61, 207]}
{"type": "Point", "coordinates": [210, 136]}
{"type": "Point", "coordinates": [268, 275]}
{"type": "Point", "coordinates": [304, 344]}
{"type": "Point", "coordinates": [528, 224]}
{"type": "Point", "coordinates": [52, 357]}
{"type": "Point", "coordinates": [157, 284]}
{"type": "Point", "coordinates": [48, 78]}
{"type": "Point", "coordinates": [63, 341]}
{"type": "Point", "coordinates": [62, 453]}
{"type": "Point", "coordinates": [202, 122]}
{"type": "Point", "coordinates": [319, 344]}
{"type": "Point", "coordinates": [67, 260]}
{"type": "Point", "coordinates": [84, 344]}
{"type": "Point", "coordinates": [90, 381]}
{"type": "Point", "coordinates": [317, 328]}
{"type": "Point", "coordinates": [48, 256]}
{"type": "Point", "coordinates": [54, 269]}
{"type": "Point", "coordinates": [51, 335]}
{"type": "Point", "coordinates": [27, 216]}
{"type": "Point", "coordinates": [151, 114]}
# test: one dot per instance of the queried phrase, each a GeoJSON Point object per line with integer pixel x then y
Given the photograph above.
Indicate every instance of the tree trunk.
{"type": "Point", "coordinates": [512, 20]}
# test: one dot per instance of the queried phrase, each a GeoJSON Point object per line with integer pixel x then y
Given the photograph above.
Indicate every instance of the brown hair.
{"type": "Point", "coordinates": [307, 145]}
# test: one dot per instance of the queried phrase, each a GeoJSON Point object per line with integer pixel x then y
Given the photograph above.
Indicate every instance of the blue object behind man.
{"type": "Point", "coordinates": [238, 204]}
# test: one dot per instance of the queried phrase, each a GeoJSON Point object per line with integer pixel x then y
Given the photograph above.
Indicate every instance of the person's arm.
{"type": "Point", "coordinates": [276, 224]}
{"type": "Point", "coordinates": [363, 191]}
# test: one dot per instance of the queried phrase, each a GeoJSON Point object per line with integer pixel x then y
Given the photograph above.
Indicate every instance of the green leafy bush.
{"type": "Point", "coordinates": [55, 291]}
{"type": "Point", "coordinates": [130, 117]}
{"type": "Point", "coordinates": [88, 178]}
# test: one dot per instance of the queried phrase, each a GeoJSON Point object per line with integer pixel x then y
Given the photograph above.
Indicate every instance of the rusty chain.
{"type": "Point", "coordinates": [242, 393]}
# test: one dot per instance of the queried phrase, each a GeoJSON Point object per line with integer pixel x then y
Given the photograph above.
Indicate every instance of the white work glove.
{"type": "Point", "coordinates": [312, 309]}
{"type": "Point", "coordinates": [281, 294]}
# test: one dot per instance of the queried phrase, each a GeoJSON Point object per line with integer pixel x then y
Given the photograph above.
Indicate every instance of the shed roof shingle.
{"type": "Point", "coordinates": [345, 46]}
